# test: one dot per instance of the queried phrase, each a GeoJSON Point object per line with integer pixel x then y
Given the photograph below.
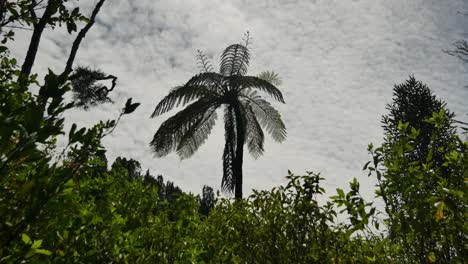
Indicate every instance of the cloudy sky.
{"type": "Point", "coordinates": [338, 60]}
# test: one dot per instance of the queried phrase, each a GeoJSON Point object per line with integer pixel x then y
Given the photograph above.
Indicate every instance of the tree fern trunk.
{"type": "Point", "coordinates": [239, 154]}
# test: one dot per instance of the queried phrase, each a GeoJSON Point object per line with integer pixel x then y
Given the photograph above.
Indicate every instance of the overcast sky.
{"type": "Point", "coordinates": [338, 60]}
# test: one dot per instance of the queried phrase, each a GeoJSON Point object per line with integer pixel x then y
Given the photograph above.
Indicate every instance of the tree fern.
{"type": "Point", "coordinates": [246, 113]}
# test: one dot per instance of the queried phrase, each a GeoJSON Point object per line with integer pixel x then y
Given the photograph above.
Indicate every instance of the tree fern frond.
{"type": "Point", "coordinates": [213, 81]}
{"type": "Point", "coordinates": [247, 39]}
{"type": "Point", "coordinates": [203, 63]}
{"type": "Point", "coordinates": [206, 79]}
{"type": "Point", "coordinates": [201, 85]}
{"type": "Point", "coordinates": [254, 133]}
{"type": "Point", "coordinates": [235, 60]}
{"type": "Point", "coordinates": [271, 77]}
{"type": "Point", "coordinates": [248, 83]}
{"type": "Point", "coordinates": [268, 116]}
{"type": "Point", "coordinates": [197, 134]}
{"type": "Point", "coordinates": [228, 180]}
{"type": "Point", "coordinates": [171, 132]}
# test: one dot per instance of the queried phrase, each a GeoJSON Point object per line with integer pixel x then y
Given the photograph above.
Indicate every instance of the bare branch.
{"type": "Point", "coordinates": [81, 35]}
{"type": "Point", "coordinates": [34, 44]}
{"type": "Point", "coordinates": [31, 9]}
{"type": "Point", "coordinates": [18, 27]}
{"type": "Point", "coordinates": [460, 51]}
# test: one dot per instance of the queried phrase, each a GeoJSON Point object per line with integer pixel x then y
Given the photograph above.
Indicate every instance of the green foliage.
{"type": "Point", "coordinates": [421, 171]}
{"type": "Point", "coordinates": [76, 210]}
{"type": "Point", "coordinates": [412, 104]}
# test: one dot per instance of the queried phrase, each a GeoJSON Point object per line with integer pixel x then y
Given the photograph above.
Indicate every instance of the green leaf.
{"type": "Point", "coordinates": [30, 253]}
{"type": "Point", "coordinates": [85, 19]}
{"type": "Point", "coordinates": [340, 192]}
{"type": "Point", "coordinates": [43, 252]}
{"type": "Point", "coordinates": [26, 239]}
{"type": "Point", "coordinates": [365, 165]}
{"type": "Point", "coordinates": [440, 211]}
{"type": "Point", "coordinates": [37, 244]}
{"type": "Point", "coordinates": [72, 131]}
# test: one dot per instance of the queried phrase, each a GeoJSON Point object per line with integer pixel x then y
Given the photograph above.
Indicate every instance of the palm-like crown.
{"type": "Point", "coordinates": [187, 130]}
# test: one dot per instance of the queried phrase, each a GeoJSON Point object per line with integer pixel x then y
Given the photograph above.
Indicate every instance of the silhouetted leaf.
{"type": "Point", "coordinates": [129, 107]}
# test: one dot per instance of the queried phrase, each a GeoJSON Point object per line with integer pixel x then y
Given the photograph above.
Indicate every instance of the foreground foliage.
{"type": "Point", "coordinates": [69, 207]}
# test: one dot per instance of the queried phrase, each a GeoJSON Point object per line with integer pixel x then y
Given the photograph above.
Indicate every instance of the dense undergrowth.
{"type": "Point", "coordinates": [69, 207]}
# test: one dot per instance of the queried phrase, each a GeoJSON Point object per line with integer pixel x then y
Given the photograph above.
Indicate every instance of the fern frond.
{"type": "Point", "coordinates": [171, 132]}
{"type": "Point", "coordinates": [235, 60]}
{"type": "Point", "coordinates": [247, 39]}
{"type": "Point", "coordinates": [201, 85]}
{"type": "Point", "coordinates": [268, 116]}
{"type": "Point", "coordinates": [254, 133]}
{"type": "Point", "coordinates": [203, 63]}
{"type": "Point", "coordinates": [248, 83]}
{"type": "Point", "coordinates": [197, 134]}
{"type": "Point", "coordinates": [208, 79]}
{"type": "Point", "coordinates": [271, 77]}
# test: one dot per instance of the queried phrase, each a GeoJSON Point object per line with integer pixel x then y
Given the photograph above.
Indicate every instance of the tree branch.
{"type": "Point", "coordinates": [34, 44]}
{"type": "Point", "coordinates": [81, 35]}
{"type": "Point", "coordinates": [2, 9]}
{"type": "Point", "coordinates": [31, 10]}
{"type": "Point", "coordinates": [18, 27]}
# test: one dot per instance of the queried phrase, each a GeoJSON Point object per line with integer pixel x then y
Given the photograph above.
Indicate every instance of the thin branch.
{"type": "Point", "coordinates": [460, 51]}
{"type": "Point", "coordinates": [2, 9]}
{"type": "Point", "coordinates": [34, 44]}
{"type": "Point", "coordinates": [116, 123]}
{"type": "Point", "coordinates": [108, 77]}
{"type": "Point", "coordinates": [81, 35]}
{"type": "Point", "coordinates": [31, 9]}
{"type": "Point", "coordinates": [18, 27]}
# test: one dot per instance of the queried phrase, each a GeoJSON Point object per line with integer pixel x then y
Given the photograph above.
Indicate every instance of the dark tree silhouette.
{"type": "Point", "coordinates": [133, 167]}
{"type": "Point", "coordinates": [148, 179]}
{"type": "Point", "coordinates": [207, 201]}
{"type": "Point", "coordinates": [413, 142]}
{"type": "Point", "coordinates": [245, 113]}
{"type": "Point", "coordinates": [413, 102]}
{"type": "Point", "coordinates": [166, 191]}
{"type": "Point", "coordinates": [87, 91]}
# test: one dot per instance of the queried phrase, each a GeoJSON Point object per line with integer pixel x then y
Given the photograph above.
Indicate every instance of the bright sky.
{"type": "Point", "coordinates": [338, 60]}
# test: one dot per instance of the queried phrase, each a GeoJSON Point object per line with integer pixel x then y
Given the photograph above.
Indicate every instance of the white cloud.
{"type": "Point", "coordinates": [339, 61]}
